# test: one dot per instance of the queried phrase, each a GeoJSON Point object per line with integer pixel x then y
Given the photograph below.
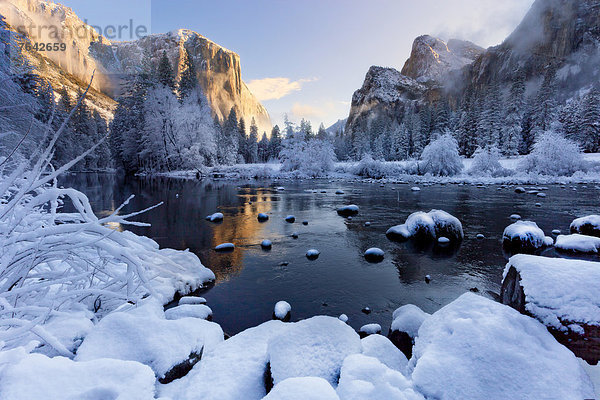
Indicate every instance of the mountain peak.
{"type": "Point", "coordinates": [431, 58]}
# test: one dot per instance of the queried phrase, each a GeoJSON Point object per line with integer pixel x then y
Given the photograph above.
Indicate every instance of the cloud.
{"type": "Point", "coordinates": [275, 88]}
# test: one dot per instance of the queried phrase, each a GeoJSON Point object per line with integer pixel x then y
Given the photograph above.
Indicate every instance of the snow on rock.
{"type": "Point", "coordinates": [577, 243]}
{"type": "Point", "coordinates": [443, 240]}
{"type": "Point", "coordinates": [313, 254]}
{"type": "Point", "coordinates": [216, 217]}
{"type": "Point", "coordinates": [516, 217]}
{"type": "Point", "coordinates": [523, 236]}
{"type": "Point", "coordinates": [558, 289]}
{"type": "Point", "coordinates": [398, 233]}
{"type": "Point", "coordinates": [589, 225]}
{"type": "Point", "coordinates": [382, 349]}
{"type": "Point", "coordinates": [339, 192]}
{"type": "Point", "coordinates": [266, 244]}
{"type": "Point", "coordinates": [303, 388]}
{"type": "Point", "coordinates": [192, 300]}
{"type": "Point", "coordinates": [39, 377]}
{"type": "Point", "coordinates": [364, 377]}
{"type": "Point", "coordinates": [475, 348]}
{"type": "Point", "coordinates": [143, 334]}
{"type": "Point", "coordinates": [369, 329]}
{"type": "Point", "coordinates": [347, 211]}
{"type": "Point", "coordinates": [234, 369]}
{"type": "Point", "coordinates": [225, 247]}
{"type": "Point", "coordinates": [282, 311]}
{"type": "Point", "coordinates": [343, 318]}
{"type": "Point", "coordinates": [415, 189]}
{"type": "Point", "coordinates": [409, 319]}
{"type": "Point", "coordinates": [290, 218]}
{"type": "Point", "coordinates": [374, 254]}
{"type": "Point", "coordinates": [263, 217]}
{"type": "Point", "coordinates": [548, 241]}
{"type": "Point", "coordinates": [428, 226]}
{"type": "Point", "coordinates": [312, 347]}
{"type": "Point", "coordinates": [201, 311]}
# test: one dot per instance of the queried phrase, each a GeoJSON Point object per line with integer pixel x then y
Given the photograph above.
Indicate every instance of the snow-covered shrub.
{"type": "Point", "coordinates": [54, 262]}
{"type": "Point", "coordinates": [313, 158]}
{"type": "Point", "coordinates": [441, 158]}
{"type": "Point", "coordinates": [370, 168]}
{"type": "Point", "coordinates": [554, 155]}
{"type": "Point", "coordinates": [486, 161]}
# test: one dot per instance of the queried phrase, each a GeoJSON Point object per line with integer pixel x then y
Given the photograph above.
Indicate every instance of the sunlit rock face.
{"type": "Point", "coordinates": [219, 71]}
{"type": "Point", "coordinates": [432, 59]}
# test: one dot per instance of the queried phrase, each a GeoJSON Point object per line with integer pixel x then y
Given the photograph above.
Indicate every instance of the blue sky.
{"type": "Point", "coordinates": [306, 58]}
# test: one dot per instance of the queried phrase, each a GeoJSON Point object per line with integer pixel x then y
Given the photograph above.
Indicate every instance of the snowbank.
{"type": "Point", "coordinates": [304, 388]}
{"type": "Point", "coordinates": [589, 225]}
{"type": "Point", "coordinates": [39, 377]}
{"type": "Point", "coordinates": [578, 243]}
{"type": "Point", "coordinates": [369, 329]}
{"type": "Point", "coordinates": [558, 289]}
{"type": "Point", "coordinates": [381, 348]}
{"type": "Point", "coordinates": [365, 377]}
{"type": "Point", "coordinates": [143, 334]}
{"type": "Point", "coordinates": [234, 369]}
{"type": "Point", "coordinates": [475, 348]}
{"type": "Point", "coordinates": [312, 347]}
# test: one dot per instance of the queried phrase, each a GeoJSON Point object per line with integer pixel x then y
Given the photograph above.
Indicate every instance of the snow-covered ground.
{"type": "Point", "coordinates": [395, 171]}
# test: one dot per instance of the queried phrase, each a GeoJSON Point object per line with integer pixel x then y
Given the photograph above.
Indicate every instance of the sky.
{"type": "Point", "coordinates": [305, 58]}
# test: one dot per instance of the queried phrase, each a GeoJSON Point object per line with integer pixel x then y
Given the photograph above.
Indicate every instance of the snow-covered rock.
{"type": "Point", "coordinates": [303, 388]}
{"type": "Point", "coordinates": [312, 347]}
{"type": "Point", "coordinates": [374, 254]}
{"type": "Point", "coordinates": [415, 189]}
{"type": "Point", "coordinates": [523, 236]}
{"type": "Point", "coordinates": [234, 369]}
{"type": "Point", "coordinates": [343, 318]}
{"type": "Point", "coordinates": [349, 210]}
{"type": "Point", "coordinates": [369, 329]}
{"type": "Point", "coordinates": [556, 290]}
{"type": "Point", "coordinates": [384, 350]}
{"type": "Point", "coordinates": [225, 247]}
{"type": "Point", "coordinates": [475, 348]}
{"type": "Point", "coordinates": [201, 311]}
{"type": "Point", "coordinates": [339, 192]}
{"type": "Point", "coordinates": [364, 377]}
{"type": "Point", "coordinates": [192, 300]}
{"type": "Point", "coordinates": [266, 244]}
{"type": "Point", "coordinates": [143, 334]}
{"type": "Point", "coordinates": [589, 225]}
{"type": "Point", "coordinates": [282, 311]}
{"type": "Point", "coordinates": [39, 377]}
{"type": "Point", "coordinates": [290, 218]}
{"type": "Point", "coordinates": [515, 217]}
{"type": "Point", "coordinates": [428, 226]}
{"type": "Point", "coordinates": [577, 243]}
{"type": "Point", "coordinates": [313, 254]}
{"type": "Point", "coordinates": [216, 217]}
{"type": "Point", "coordinates": [406, 321]}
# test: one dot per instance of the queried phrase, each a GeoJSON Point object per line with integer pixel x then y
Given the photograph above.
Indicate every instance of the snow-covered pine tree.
{"type": "Point", "coordinates": [590, 121]}
{"type": "Point", "coordinates": [489, 124]}
{"type": "Point", "coordinates": [274, 143]}
{"type": "Point", "coordinates": [164, 72]}
{"type": "Point", "coordinates": [252, 144]}
{"type": "Point", "coordinates": [513, 119]}
{"type": "Point", "coordinates": [228, 146]}
{"type": "Point", "coordinates": [242, 142]}
{"type": "Point", "coordinates": [188, 81]}
{"type": "Point", "coordinates": [263, 148]}
{"type": "Point", "coordinates": [544, 106]}
{"type": "Point", "coordinates": [322, 133]}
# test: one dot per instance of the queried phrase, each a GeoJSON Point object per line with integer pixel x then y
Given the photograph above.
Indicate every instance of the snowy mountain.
{"type": "Point", "coordinates": [219, 70]}
{"type": "Point", "coordinates": [541, 74]}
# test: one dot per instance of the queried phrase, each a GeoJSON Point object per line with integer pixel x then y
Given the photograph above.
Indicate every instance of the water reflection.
{"type": "Point", "coordinates": [250, 280]}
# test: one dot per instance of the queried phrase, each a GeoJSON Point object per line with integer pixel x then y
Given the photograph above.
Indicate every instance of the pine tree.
{"type": "Point", "coordinates": [252, 144]}
{"type": "Point", "coordinates": [242, 142]}
{"type": "Point", "coordinates": [322, 133]}
{"type": "Point", "coordinates": [164, 72]}
{"type": "Point", "coordinates": [189, 80]}
{"type": "Point", "coordinates": [228, 146]}
{"type": "Point", "coordinates": [489, 124]}
{"type": "Point", "coordinates": [263, 148]}
{"type": "Point", "coordinates": [544, 106]}
{"type": "Point", "coordinates": [306, 129]}
{"type": "Point", "coordinates": [590, 121]}
{"type": "Point", "coordinates": [513, 119]}
{"type": "Point", "coordinates": [274, 143]}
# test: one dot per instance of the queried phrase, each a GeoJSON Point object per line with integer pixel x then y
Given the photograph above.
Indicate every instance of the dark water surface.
{"type": "Point", "coordinates": [250, 280]}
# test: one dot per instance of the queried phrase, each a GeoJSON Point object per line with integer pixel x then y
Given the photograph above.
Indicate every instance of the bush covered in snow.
{"type": "Point", "coordinates": [370, 168]}
{"type": "Point", "coordinates": [486, 162]}
{"type": "Point", "coordinates": [441, 157]}
{"type": "Point", "coordinates": [554, 155]}
{"type": "Point", "coordinates": [312, 157]}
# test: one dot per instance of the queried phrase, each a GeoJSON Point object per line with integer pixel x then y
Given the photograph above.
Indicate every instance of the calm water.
{"type": "Point", "coordinates": [250, 280]}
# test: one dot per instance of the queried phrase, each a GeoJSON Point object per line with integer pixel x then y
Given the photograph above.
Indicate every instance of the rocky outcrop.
{"type": "Point", "coordinates": [219, 70]}
{"type": "Point", "coordinates": [432, 59]}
